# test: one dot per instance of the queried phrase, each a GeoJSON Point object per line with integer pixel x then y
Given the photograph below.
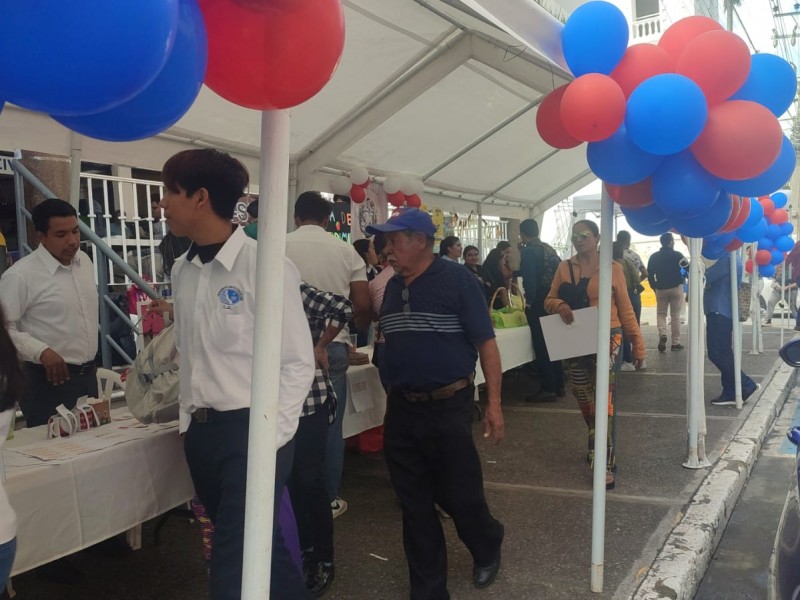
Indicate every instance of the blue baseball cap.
{"type": "Point", "coordinates": [411, 219]}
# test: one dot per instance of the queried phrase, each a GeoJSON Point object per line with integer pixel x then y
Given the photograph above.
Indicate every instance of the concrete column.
{"type": "Point", "coordinates": [53, 171]}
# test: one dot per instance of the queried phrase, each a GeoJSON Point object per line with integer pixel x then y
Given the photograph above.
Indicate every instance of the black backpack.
{"type": "Point", "coordinates": [547, 268]}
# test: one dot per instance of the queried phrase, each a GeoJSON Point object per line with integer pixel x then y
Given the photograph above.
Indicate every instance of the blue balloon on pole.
{"type": "Point", "coordinates": [82, 57]}
{"type": "Point", "coordinates": [682, 188]}
{"type": "Point", "coordinates": [166, 99]}
{"type": "Point", "coordinates": [648, 220]}
{"type": "Point", "coordinates": [756, 215]}
{"type": "Point", "coordinates": [784, 243]}
{"type": "Point", "coordinates": [594, 38]}
{"type": "Point", "coordinates": [766, 270]}
{"type": "Point", "coordinates": [770, 180]}
{"type": "Point", "coordinates": [706, 223]}
{"type": "Point", "coordinates": [771, 82]}
{"type": "Point", "coordinates": [765, 243]}
{"type": "Point", "coordinates": [713, 251]}
{"type": "Point", "coordinates": [779, 199]}
{"type": "Point", "coordinates": [773, 231]}
{"type": "Point", "coordinates": [619, 161]}
{"type": "Point", "coordinates": [777, 257]}
{"type": "Point", "coordinates": [786, 228]}
{"type": "Point", "coordinates": [754, 233]}
{"type": "Point", "coordinates": [666, 114]}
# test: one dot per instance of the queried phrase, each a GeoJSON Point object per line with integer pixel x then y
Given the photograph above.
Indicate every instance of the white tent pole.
{"type": "Point", "coordinates": [755, 305]}
{"type": "Point", "coordinates": [601, 393]}
{"type": "Point", "coordinates": [737, 331]}
{"type": "Point", "coordinates": [784, 301]}
{"type": "Point", "coordinates": [695, 354]}
{"type": "Point", "coordinates": [272, 203]}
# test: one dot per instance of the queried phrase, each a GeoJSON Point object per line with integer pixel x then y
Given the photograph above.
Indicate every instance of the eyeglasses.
{"type": "Point", "coordinates": [406, 305]}
{"type": "Point", "coordinates": [581, 236]}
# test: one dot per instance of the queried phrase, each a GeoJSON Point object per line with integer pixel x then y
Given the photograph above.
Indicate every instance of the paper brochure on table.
{"type": "Point", "coordinates": [576, 339]}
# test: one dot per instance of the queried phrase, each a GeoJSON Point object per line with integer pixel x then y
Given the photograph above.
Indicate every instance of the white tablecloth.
{"type": "Point", "coordinates": [65, 506]}
{"type": "Point", "coordinates": [366, 400]}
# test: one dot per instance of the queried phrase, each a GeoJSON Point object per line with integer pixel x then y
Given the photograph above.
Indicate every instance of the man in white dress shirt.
{"type": "Point", "coordinates": [214, 293]}
{"type": "Point", "coordinates": [52, 306]}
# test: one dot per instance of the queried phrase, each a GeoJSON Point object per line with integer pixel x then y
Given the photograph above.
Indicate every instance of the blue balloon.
{"type": "Point", "coordinates": [772, 82]}
{"type": "Point", "coordinates": [765, 243]}
{"type": "Point", "coordinates": [713, 251]}
{"type": "Point", "coordinates": [777, 257]}
{"type": "Point", "coordinates": [756, 215]}
{"type": "Point", "coordinates": [770, 180]}
{"type": "Point", "coordinates": [619, 161]}
{"type": "Point", "coordinates": [1, 105]}
{"type": "Point", "coordinates": [786, 228]}
{"type": "Point", "coordinates": [666, 114]}
{"type": "Point", "coordinates": [720, 239]}
{"type": "Point", "coordinates": [752, 234]}
{"type": "Point", "coordinates": [773, 231]}
{"type": "Point", "coordinates": [594, 38]}
{"type": "Point", "coordinates": [682, 188]}
{"type": "Point", "coordinates": [648, 220]}
{"type": "Point", "coordinates": [166, 99]}
{"type": "Point", "coordinates": [784, 243]}
{"type": "Point", "coordinates": [766, 270]}
{"type": "Point", "coordinates": [779, 199]}
{"type": "Point", "coordinates": [706, 223]}
{"type": "Point", "coordinates": [83, 57]}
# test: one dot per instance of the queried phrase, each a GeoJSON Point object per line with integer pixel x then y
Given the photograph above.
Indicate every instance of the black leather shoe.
{"type": "Point", "coordinates": [319, 578]}
{"type": "Point", "coordinates": [483, 577]}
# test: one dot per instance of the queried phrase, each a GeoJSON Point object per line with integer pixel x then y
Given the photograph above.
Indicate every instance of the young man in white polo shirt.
{"type": "Point", "coordinates": [214, 289]}
{"type": "Point", "coordinates": [330, 265]}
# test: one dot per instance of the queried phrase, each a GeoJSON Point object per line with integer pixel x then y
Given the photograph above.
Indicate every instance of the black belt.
{"type": "Point", "coordinates": [84, 369]}
{"type": "Point", "coordinates": [209, 415]}
{"type": "Point", "coordinates": [442, 393]}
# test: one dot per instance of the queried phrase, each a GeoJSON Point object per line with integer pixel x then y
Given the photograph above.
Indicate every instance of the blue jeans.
{"type": "Point", "coordinates": [627, 346]}
{"type": "Point", "coordinates": [338, 361]}
{"type": "Point", "coordinates": [719, 339]}
{"type": "Point", "coordinates": [7, 552]}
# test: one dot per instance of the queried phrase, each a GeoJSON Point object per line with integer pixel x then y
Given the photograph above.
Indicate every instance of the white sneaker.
{"type": "Point", "coordinates": [626, 366]}
{"type": "Point", "coordinates": [338, 507]}
{"type": "Point", "coordinates": [644, 365]}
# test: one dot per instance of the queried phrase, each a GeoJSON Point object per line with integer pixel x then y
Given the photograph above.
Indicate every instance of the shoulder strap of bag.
{"type": "Point", "coordinates": [571, 272]}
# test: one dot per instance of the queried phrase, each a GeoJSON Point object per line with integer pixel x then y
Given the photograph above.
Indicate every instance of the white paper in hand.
{"type": "Point", "coordinates": [568, 341]}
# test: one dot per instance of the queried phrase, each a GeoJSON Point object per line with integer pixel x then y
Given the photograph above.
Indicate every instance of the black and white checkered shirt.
{"type": "Point", "coordinates": [322, 309]}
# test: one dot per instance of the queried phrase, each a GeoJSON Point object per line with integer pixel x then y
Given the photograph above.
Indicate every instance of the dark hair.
{"type": "Point", "coordinates": [503, 245]}
{"type": "Point", "coordinates": [11, 378]}
{"type": "Point", "coordinates": [529, 228]}
{"type": "Point", "coordinates": [52, 207]}
{"type": "Point", "coordinates": [617, 250]}
{"type": "Point", "coordinates": [446, 244]}
{"type": "Point", "coordinates": [379, 241]}
{"type": "Point", "coordinates": [170, 248]}
{"type": "Point", "coordinates": [224, 177]}
{"type": "Point", "coordinates": [593, 228]}
{"type": "Point", "coordinates": [252, 209]}
{"type": "Point", "coordinates": [362, 247]}
{"type": "Point", "coordinates": [666, 238]}
{"type": "Point", "coordinates": [311, 206]}
{"type": "Point", "coordinates": [623, 236]}
{"type": "Point", "coordinates": [469, 249]}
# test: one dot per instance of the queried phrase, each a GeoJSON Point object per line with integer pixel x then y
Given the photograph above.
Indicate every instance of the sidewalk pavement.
{"type": "Point", "coordinates": [539, 485]}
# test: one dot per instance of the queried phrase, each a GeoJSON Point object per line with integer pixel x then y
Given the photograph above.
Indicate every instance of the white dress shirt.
{"type": "Point", "coordinates": [326, 262]}
{"type": "Point", "coordinates": [8, 518]}
{"type": "Point", "coordinates": [50, 305]}
{"type": "Point", "coordinates": [215, 306]}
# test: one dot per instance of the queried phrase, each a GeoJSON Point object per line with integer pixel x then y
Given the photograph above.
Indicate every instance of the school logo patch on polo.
{"type": "Point", "coordinates": [230, 296]}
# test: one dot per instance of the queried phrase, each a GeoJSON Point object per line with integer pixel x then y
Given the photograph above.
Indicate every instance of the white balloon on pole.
{"type": "Point", "coordinates": [407, 184]}
{"type": "Point", "coordinates": [392, 184]}
{"type": "Point", "coordinates": [340, 185]}
{"type": "Point", "coordinates": [418, 188]}
{"type": "Point", "coordinates": [359, 175]}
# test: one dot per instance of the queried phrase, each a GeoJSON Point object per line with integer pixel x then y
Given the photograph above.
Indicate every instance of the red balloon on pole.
{"type": "Point", "coordinates": [736, 210]}
{"type": "Point", "coordinates": [272, 59]}
{"type": "Point", "coordinates": [413, 201]}
{"type": "Point", "coordinates": [718, 62]}
{"type": "Point", "coordinates": [549, 124]}
{"type": "Point", "coordinates": [636, 195]}
{"type": "Point", "coordinates": [593, 107]}
{"type": "Point", "coordinates": [748, 266]}
{"type": "Point", "coordinates": [397, 198]}
{"type": "Point", "coordinates": [358, 194]}
{"type": "Point", "coordinates": [763, 257]}
{"type": "Point", "coordinates": [734, 245]}
{"type": "Point", "coordinates": [741, 140]}
{"type": "Point", "coordinates": [768, 205]}
{"type": "Point", "coordinates": [680, 33]}
{"type": "Point", "coordinates": [640, 62]}
{"type": "Point", "coordinates": [779, 217]}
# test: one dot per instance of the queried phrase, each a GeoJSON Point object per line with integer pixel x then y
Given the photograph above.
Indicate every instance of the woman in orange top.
{"type": "Point", "coordinates": [581, 371]}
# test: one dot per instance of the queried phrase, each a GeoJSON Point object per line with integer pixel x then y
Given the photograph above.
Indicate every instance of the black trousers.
{"type": "Point", "coordinates": [551, 373]}
{"type": "Point", "coordinates": [310, 502]}
{"type": "Point", "coordinates": [216, 453]}
{"type": "Point", "coordinates": [41, 397]}
{"type": "Point", "coordinates": [432, 458]}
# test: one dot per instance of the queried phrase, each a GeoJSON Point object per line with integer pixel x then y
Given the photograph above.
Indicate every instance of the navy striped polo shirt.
{"type": "Point", "coordinates": [433, 326]}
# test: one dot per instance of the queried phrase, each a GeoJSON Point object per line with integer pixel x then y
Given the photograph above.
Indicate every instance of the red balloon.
{"type": "Point", "coordinates": [641, 62]}
{"type": "Point", "coordinates": [748, 266]}
{"type": "Point", "coordinates": [272, 59]}
{"type": "Point", "coordinates": [358, 194]}
{"type": "Point", "coordinates": [741, 140]}
{"type": "Point", "coordinates": [768, 205]}
{"type": "Point", "coordinates": [717, 61]}
{"type": "Point", "coordinates": [593, 107]}
{"type": "Point", "coordinates": [763, 257]}
{"type": "Point", "coordinates": [397, 198]}
{"type": "Point", "coordinates": [680, 33]}
{"type": "Point", "coordinates": [734, 245]}
{"type": "Point", "coordinates": [738, 216]}
{"type": "Point", "coordinates": [779, 217]}
{"type": "Point", "coordinates": [413, 201]}
{"type": "Point", "coordinates": [636, 195]}
{"type": "Point", "coordinates": [548, 121]}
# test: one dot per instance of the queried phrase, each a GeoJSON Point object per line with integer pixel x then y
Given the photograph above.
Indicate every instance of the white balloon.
{"type": "Point", "coordinates": [340, 185]}
{"type": "Point", "coordinates": [392, 184]}
{"type": "Point", "coordinates": [359, 175]}
{"type": "Point", "coordinates": [407, 184]}
{"type": "Point", "coordinates": [418, 187]}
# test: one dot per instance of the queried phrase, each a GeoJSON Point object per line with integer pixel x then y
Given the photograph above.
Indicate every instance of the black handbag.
{"type": "Point", "coordinates": [574, 294]}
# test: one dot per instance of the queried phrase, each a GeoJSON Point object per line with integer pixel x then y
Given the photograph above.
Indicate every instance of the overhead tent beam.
{"type": "Point", "coordinates": [522, 173]}
{"type": "Point", "coordinates": [557, 193]}
{"type": "Point", "coordinates": [396, 96]}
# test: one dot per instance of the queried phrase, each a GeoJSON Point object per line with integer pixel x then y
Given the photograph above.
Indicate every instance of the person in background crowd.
{"type": "Point", "coordinates": [97, 212]}
{"type": "Point", "coordinates": [10, 393]}
{"type": "Point", "coordinates": [719, 331]}
{"type": "Point", "coordinates": [214, 294]}
{"type": "Point", "coordinates": [377, 287]}
{"type": "Point", "coordinates": [159, 225]}
{"type": "Point", "coordinates": [331, 265]}
{"type": "Point", "coordinates": [471, 261]}
{"type": "Point", "coordinates": [436, 324]}
{"type": "Point", "coordinates": [780, 291]}
{"type": "Point", "coordinates": [625, 238]}
{"type": "Point", "coordinates": [793, 260]}
{"type": "Point", "coordinates": [251, 229]}
{"type": "Point", "coordinates": [450, 248]}
{"type": "Point", "coordinates": [664, 275]}
{"type": "Point", "coordinates": [538, 264]}
{"type": "Point", "coordinates": [366, 250]}
{"type": "Point", "coordinates": [634, 287]}
{"type": "Point", "coordinates": [577, 281]}
{"type": "Point", "coordinates": [51, 303]}
{"type": "Point", "coordinates": [497, 274]}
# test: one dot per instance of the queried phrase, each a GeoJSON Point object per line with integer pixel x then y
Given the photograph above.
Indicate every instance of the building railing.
{"type": "Point", "coordinates": [647, 29]}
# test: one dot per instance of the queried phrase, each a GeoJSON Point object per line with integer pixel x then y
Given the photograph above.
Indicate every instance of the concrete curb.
{"type": "Point", "coordinates": [680, 565]}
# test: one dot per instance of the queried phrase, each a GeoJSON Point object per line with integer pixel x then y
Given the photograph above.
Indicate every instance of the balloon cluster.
{"type": "Point", "coordinates": [122, 71]}
{"type": "Point", "coordinates": [403, 191]}
{"type": "Point", "coordinates": [771, 232]}
{"type": "Point", "coordinates": [678, 130]}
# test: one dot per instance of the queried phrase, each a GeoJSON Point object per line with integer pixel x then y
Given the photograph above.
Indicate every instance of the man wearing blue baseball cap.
{"type": "Point", "coordinates": [436, 323]}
